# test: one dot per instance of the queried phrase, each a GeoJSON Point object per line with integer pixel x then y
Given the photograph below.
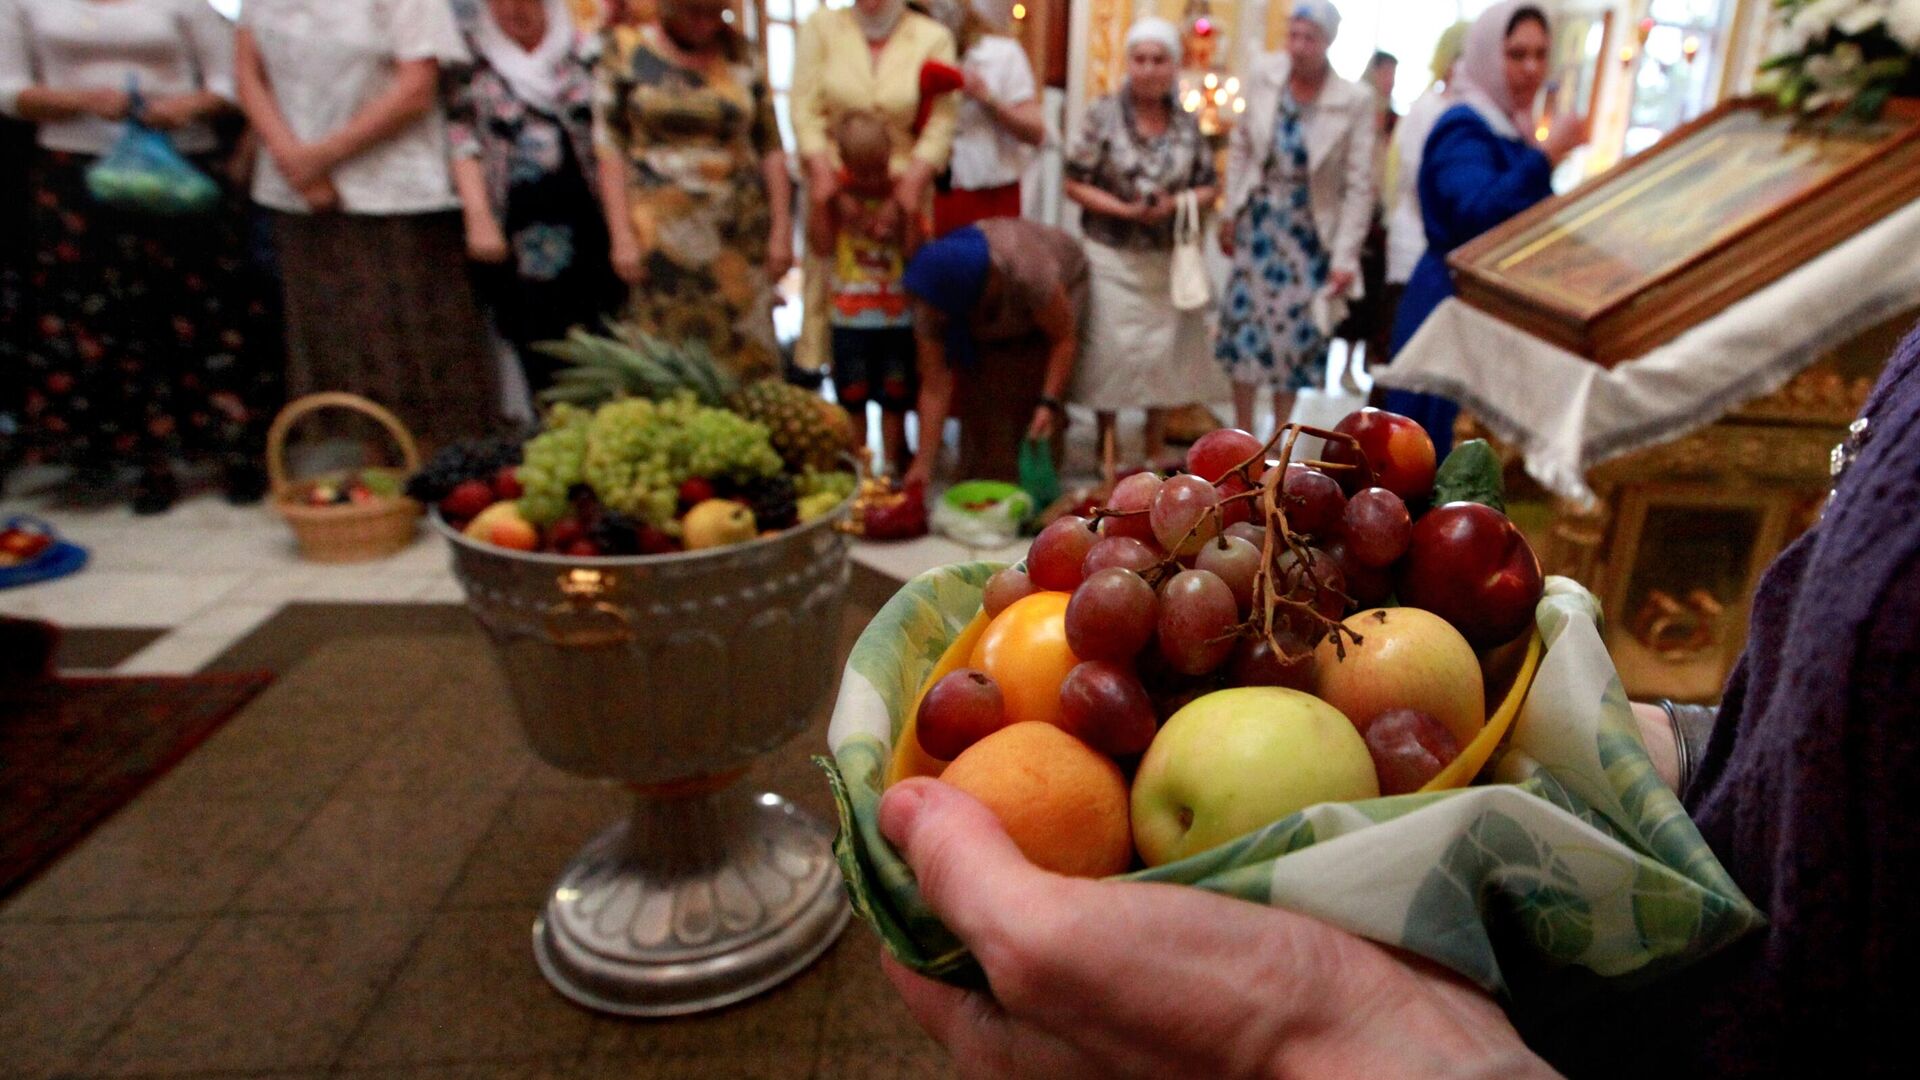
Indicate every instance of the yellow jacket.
{"type": "Point", "coordinates": [833, 73]}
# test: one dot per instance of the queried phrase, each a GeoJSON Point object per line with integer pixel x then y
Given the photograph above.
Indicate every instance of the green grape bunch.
{"type": "Point", "coordinates": [552, 463]}
{"type": "Point", "coordinates": [639, 452]}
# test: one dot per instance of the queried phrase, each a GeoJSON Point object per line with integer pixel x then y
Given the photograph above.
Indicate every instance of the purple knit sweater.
{"type": "Point", "coordinates": [1809, 792]}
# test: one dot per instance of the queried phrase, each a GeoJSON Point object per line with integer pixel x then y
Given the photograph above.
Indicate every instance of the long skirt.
{"type": "Point", "coordinates": [381, 306]}
{"type": "Point", "coordinates": [1140, 351]}
{"type": "Point", "coordinates": [127, 335]}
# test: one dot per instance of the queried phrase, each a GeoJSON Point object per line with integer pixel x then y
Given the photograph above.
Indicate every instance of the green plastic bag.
{"type": "Point", "coordinates": [1575, 872]}
{"type": "Point", "coordinates": [1037, 475]}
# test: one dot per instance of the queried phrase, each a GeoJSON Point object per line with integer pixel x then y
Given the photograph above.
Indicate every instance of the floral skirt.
{"type": "Point", "coordinates": [706, 279]}
{"type": "Point", "coordinates": [1267, 335]}
{"type": "Point", "coordinates": [129, 335]}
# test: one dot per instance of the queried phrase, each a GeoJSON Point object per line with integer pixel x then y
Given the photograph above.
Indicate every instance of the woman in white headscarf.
{"type": "Point", "coordinates": [1136, 154]}
{"type": "Point", "coordinates": [1481, 167]}
{"type": "Point", "coordinates": [1000, 121]}
{"type": "Point", "coordinates": [520, 125]}
{"type": "Point", "coordinates": [1300, 194]}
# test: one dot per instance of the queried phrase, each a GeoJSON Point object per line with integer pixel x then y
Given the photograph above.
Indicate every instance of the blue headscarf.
{"type": "Point", "coordinates": [949, 274]}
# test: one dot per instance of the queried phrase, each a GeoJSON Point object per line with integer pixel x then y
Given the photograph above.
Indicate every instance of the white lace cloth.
{"type": "Point", "coordinates": [1567, 415]}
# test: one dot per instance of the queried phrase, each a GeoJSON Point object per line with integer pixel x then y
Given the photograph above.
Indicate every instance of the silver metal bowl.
{"type": "Point", "coordinates": [672, 674]}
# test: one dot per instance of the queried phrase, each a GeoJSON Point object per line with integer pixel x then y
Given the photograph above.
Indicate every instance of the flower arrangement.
{"type": "Point", "coordinates": [1856, 54]}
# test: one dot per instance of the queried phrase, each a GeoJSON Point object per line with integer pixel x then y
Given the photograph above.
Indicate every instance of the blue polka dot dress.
{"type": "Point", "coordinates": [1267, 336]}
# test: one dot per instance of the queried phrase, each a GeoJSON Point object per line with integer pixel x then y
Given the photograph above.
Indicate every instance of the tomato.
{"type": "Point", "coordinates": [1025, 651]}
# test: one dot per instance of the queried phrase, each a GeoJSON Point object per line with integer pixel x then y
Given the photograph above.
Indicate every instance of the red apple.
{"type": "Point", "coordinates": [467, 499]}
{"type": "Point", "coordinates": [1406, 659]}
{"type": "Point", "coordinates": [1469, 565]}
{"type": "Point", "coordinates": [1398, 454]}
{"type": "Point", "coordinates": [24, 544]}
{"type": "Point", "coordinates": [506, 483]}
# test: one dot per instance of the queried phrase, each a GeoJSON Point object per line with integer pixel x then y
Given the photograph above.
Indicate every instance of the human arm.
{"type": "Point", "coordinates": [808, 109]}
{"type": "Point", "coordinates": [1101, 201]}
{"type": "Point", "coordinates": [485, 241]}
{"type": "Point", "coordinates": [936, 393]}
{"type": "Point", "coordinates": [1357, 200]}
{"type": "Point", "coordinates": [264, 117]}
{"type": "Point", "coordinates": [209, 42]}
{"type": "Point", "coordinates": [412, 94]}
{"type": "Point", "coordinates": [1107, 979]}
{"type": "Point", "coordinates": [1465, 184]}
{"type": "Point", "coordinates": [1059, 319]}
{"type": "Point", "coordinates": [778, 181]}
{"type": "Point", "coordinates": [934, 144]}
{"type": "Point", "coordinates": [613, 138]}
{"type": "Point", "coordinates": [1008, 93]}
{"type": "Point", "coordinates": [822, 224]}
{"type": "Point", "coordinates": [21, 94]}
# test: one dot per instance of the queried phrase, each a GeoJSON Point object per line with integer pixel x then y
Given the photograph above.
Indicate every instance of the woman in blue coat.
{"type": "Point", "coordinates": [1481, 167]}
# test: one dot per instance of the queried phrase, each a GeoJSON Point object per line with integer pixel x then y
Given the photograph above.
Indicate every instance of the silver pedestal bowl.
{"type": "Point", "coordinates": [672, 674]}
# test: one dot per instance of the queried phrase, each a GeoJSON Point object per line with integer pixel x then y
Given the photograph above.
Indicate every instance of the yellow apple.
{"type": "Point", "coordinates": [502, 526]}
{"type": "Point", "coordinates": [1236, 760]}
{"type": "Point", "coordinates": [1407, 659]}
{"type": "Point", "coordinates": [717, 523]}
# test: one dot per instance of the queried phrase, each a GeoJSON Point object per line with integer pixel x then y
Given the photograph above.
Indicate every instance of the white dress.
{"type": "Point", "coordinates": [326, 60]}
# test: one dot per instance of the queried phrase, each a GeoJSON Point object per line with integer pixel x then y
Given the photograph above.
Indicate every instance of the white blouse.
{"type": "Point", "coordinates": [985, 155]}
{"type": "Point", "coordinates": [168, 46]}
{"type": "Point", "coordinates": [326, 59]}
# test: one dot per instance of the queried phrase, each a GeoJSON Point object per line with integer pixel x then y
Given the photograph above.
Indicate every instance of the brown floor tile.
{"type": "Point", "coordinates": [165, 854]}
{"type": "Point", "coordinates": [862, 1005]}
{"type": "Point", "coordinates": [717, 1062]}
{"type": "Point", "coordinates": [384, 673]}
{"type": "Point", "coordinates": [454, 741]}
{"type": "Point", "coordinates": [297, 631]}
{"type": "Point", "coordinates": [274, 749]}
{"type": "Point", "coordinates": [531, 841]}
{"type": "Point", "coordinates": [888, 1060]}
{"type": "Point", "coordinates": [66, 986]}
{"type": "Point", "coordinates": [470, 992]}
{"type": "Point", "coordinates": [376, 852]}
{"type": "Point", "coordinates": [786, 1018]}
{"type": "Point", "coordinates": [524, 1069]}
{"type": "Point", "coordinates": [102, 646]}
{"type": "Point", "coordinates": [263, 992]}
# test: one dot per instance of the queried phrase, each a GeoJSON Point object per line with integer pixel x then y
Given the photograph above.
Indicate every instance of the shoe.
{"type": "Point", "coordinates": [243, 479]}
{"type": "Point", "coordinates": [157, 491]}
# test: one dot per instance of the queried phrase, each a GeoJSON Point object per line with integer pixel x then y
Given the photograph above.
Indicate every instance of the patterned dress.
{"type": "Point", "coordinates": [539, 169]}
{"type": "Point", "coordinates": [1267, 334]}
{"type": "Point", "coordinates": [694, 141]}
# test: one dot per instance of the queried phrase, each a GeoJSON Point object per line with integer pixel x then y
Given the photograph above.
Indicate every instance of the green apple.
{"type": "Point", "coordinates": [1236, 760]}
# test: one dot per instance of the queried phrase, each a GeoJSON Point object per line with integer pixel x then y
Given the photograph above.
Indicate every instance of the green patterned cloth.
{"type": "Point", "coordinates": [1576, 870]}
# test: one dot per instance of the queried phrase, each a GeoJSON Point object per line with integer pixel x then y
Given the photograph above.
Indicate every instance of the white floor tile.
{"type": "Point", "coordinates": [175, 654]}
{"type": "Point", "coordinates": [228, 622]}
{"type": "Point", "coordinates": [104, 597]}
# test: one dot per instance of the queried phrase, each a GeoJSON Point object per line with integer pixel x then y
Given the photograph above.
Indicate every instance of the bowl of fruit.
{"type": "Point", "coordinates": [1340, 685]}
{"type": "Point", "coordinates": [660, 572]}
{"type": "Point", "coordinates": [345, 515]}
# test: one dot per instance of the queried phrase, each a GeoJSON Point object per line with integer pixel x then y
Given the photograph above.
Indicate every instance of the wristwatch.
{"type": "Point", "coordinates": [1054, 405]}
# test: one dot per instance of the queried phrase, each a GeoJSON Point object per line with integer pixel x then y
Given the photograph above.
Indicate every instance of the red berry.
{"type": "Point", "coordinates": [695, 490]}
{"type": "Point", "coordinates": [467, 498]}
{"type": "Point", "coordinates": [561, 534]}
{"type": "Point", "coordinates": [654, 541]}
{"type": "Point", "coordinates": [581, 548]}
{"type": "Point", "coordinates": [506, 483]}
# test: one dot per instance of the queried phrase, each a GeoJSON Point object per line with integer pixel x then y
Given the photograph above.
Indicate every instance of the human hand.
{"type": "Point", "coordinates": [884, 223]}
{"type": "Point", "coordinates": [628, 263]}
{"type": "Point", "coordinates": [168, 113]}
{"type": "Point", "coordinates": [919, 474]}
{"type": "Point", "coordinates": [1226, 238]}
{"type": "Point", "coordinates": [1106, 979]}
{"type": "Point", "coordinates": [823, 180]}
{"type": "Point", "coordinates": [1043, 424]}
{"type": "Point", "coordinates": [485, 242]}
{"type": "Point", "coordinates": [320, 196]}
{"type": "Point", "coordinates": [976, 88]}
{"type": "Point", "coordinates": [106, 103]}
{"type": "Point", "coordinates": [1565, 135]}
{"type": "Point", "coordinates": [779, 255]}
{"type": "Point", "coordinates": [303, 165]}
{"type": "Point", "coordinates": [1156, 208]}
{"type": "Point", "coordinates": [1339, 281]}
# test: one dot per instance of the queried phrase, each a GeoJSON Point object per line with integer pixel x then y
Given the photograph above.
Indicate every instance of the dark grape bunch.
{"type": "Point", "coordinates": [774, 500]}
{"type": "Point", "coordinates": [468, 459]}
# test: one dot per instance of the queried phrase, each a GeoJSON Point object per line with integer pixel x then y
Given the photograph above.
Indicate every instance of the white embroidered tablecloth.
{"type": "Point", "coordinates": [1566, 414]}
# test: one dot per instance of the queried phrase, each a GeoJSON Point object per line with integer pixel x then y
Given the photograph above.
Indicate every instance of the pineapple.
{"type": "Point", "coordinates": [808, 432]}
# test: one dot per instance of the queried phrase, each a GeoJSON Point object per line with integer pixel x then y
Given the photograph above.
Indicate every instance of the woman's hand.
{"type": "Point", "coordinates": [107, 103]}
{"type": "Point", "coordinates": [320, 196]}
{"type": "Point", "coordinates": [976, 88]}
{"type": "Point", "coordinates": [1102, 979]}
{"type": "Point", "coordinates": [1226, 237]}
{"type": "Point", "coordinates": [170, 113]}
{"type": "Point", "coordinates": [1339, 281]}
{"type": "Point", "coordinates": [779, 255]}
{"type": "Point", "coordinates": [1567, 134]}
{"type": "Point", "coordinates": [485, 242]}
{"type": "Point", "coordinates": [628, 262]}
{"type": "Point", "coordinates": [910, 188]}
{"type": "Point", "coordinates": [1156, 208]}
{"type": "Point", "coordinates": [1043, 424]}
{"type": "Point", "coordinates": [823, 180]}
{"type": "Point", "coordinates": [303, 165]}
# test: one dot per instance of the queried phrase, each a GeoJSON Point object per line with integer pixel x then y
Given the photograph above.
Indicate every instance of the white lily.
{"type": "Point", "coordinates": [1903, 22]}
{"type": "Point", "coordinates": [1837, 74]}
{"type": "Point", "coordinates": [1863, 17]}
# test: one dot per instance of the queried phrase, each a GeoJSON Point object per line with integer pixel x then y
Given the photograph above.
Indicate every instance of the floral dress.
{"type": "Point", "coordinates": [539, 169]}
{"type": "Point", "coordinates": [1267, 333]}
{"type": "Point", "coordinates": [694, 141]}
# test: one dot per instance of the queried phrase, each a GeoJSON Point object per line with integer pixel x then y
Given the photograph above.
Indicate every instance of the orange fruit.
{"type": "Point", "coordinates": [1063, 802]}
{"type": "Point", "coordinates": [1024, 651]}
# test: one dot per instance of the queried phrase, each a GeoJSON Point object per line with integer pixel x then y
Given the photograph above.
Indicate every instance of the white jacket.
{"type": "Point", "coordinates": [1339, 157]}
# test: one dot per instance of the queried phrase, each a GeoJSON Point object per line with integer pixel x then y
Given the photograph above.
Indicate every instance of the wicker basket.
{"type": "Point", "coordinates": [354, 532]}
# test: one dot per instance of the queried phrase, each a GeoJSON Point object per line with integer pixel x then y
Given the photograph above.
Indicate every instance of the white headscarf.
{"type": "Point", "coordinates": [1321, 13]}
{"type": "Point", "coordinates": [877, 28]}
{"type": "Point", "coordinates": [1158, 31]}
{"type": "Point", "coordinates": [533, 76]}
{"type": "Point", "coordinates": [1480, 78]}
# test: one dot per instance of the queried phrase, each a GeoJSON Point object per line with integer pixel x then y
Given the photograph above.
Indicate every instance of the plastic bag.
{"type": "Point", "coordinates": [143, 172]}
{"type": "Point", "coordinates": [982, 513]}
{"type": "Point", "coordinates": [1037, 476]}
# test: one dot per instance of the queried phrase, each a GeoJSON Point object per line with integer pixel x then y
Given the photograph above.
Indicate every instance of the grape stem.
{"type": "Point", "coordinates": [1269, 598]}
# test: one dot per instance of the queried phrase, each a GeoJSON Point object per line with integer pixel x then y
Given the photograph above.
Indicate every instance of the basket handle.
{"type": "Point", "coordinates": [332, 399]}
